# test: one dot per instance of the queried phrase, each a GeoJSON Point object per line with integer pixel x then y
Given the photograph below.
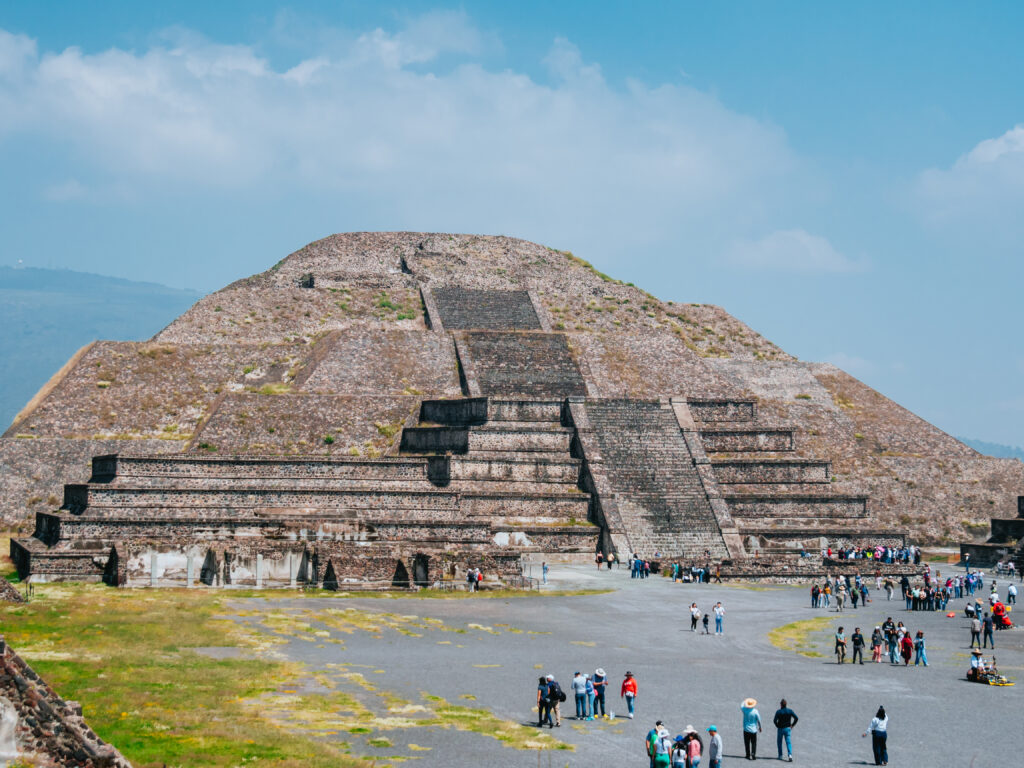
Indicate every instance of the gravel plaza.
{"type": "Point", "coordinates": [502, 645]}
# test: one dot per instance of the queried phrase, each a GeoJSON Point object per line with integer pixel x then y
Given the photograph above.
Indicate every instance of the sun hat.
{"type": "Point", "coordinates": [976, 652]}
{"type": "Point", "coordinates": [678, 738]}
{"type": "Point", "coordinates": [599, 671]}
{"type": "Point", "coordinates": [712, 728]}
{"type": "Point", "coordinates": [662, 733]}
{"type": "Point", "coordinates": [549, 677]}
{"type": "Point", "coordinates": [750, 702]}
{"type": "Point", "coordinates": [628, 673]}
{"type": "Point", "coordinates": [689, 729]}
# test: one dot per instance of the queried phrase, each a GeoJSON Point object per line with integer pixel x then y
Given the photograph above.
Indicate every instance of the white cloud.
{"type": "Point", "coordinates": [790, 250]}
{"type": "Point", "coordinates": [980, 196]}
{"type": "Point", "coordinates": [371, 117]}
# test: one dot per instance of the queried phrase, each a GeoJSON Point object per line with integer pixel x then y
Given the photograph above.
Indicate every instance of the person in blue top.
{"type": "Point", "coordinates": [600, 683]}
{"type": "Point", "coordinates": [751, 727]}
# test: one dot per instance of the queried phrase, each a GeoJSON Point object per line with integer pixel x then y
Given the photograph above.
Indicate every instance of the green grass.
{"type": "Point", "coordinates": [797, 637]}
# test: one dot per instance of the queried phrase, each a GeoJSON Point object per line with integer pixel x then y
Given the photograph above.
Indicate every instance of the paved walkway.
{"type": "Point", "coordinates": [937, 718]}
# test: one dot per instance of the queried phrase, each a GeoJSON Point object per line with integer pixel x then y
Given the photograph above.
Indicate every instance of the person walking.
{"type": "Point", "coordinates": [714, 748]}
{"type": "Point", "coordinates": [858, 646]}
{"type": "Point", "coordinates": [785, 719]}
{"type": "Point", "coordinates": [879, 730]}
{"type": "Point", "coordinates": [694, 616]}
{"type": "Point", "coordinates": [906, 648]}
{"type": "Point", "coordinates": [719, 618]}
{"type": "Point", "coordinates": [628, 692]}
{"type": "Point", "coordinates": [555, 699]}
{"type": "Point", "coordinates": [1011, 594]}
{"type": "Point", "coordinates": [544, 573]}
{"type": "Point", "coordinates": [920, 655]}
{"type": "Point", "coordinates": [876, 645]}
{"type": "Point", "coordinates": [543, 713]}
{"type": "Point", "coordinates": [975, 632]}
{"type": "Point", "coordinates": [579, 694]}
{"type": "Point", "coordinates": [840, 646]}
{"type": "Point", "coordinates": [705, 620]}
{"type": "Point", "coordinates": [751, 727]}
{"type": "Point", "coordinates": [987, 626]}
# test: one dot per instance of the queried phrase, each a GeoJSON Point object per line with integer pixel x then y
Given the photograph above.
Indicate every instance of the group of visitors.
{"type": "Point", "coordinates": [589, 694]}
{"type": "Point", "coordinates": [473, 578]}
{"type": "Point", "coordinates": [1008, 569]}
{"type": "Point", "coordinates": [685, 750]}
{"type": "Point", "coordinates": [695, 574]}
{"type": "Point", "coordinates": [890, 639]}
{"type": "Point", "coordinates": [696, 616]}
{"type": "Point", "coordinates": [602, 559]}
{"type": "Point", "coordinates": [880, 553]}
{"type": "Point", "coordinates": [639, 568]}
{"type": "Point", "coordinates": [840, 589]}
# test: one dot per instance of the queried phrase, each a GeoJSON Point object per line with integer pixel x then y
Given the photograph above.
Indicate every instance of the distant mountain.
{"type": "Point", "coordinates": [994, 449]}
{"type": "Point", "coordinates": [46, 315]}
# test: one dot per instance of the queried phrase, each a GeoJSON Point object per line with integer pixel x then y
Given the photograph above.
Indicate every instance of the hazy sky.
{"type": "Point", "coordinates": [846, 178]}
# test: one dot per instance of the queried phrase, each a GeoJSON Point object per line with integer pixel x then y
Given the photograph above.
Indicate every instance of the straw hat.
{"type": "Point", "coordinates": [976, 652]}
{"type": "Point", "coordinates": [750, 702]}
{"type": "Point", "coordinates": [599, 671]}
{"type": "Point", "coordinates": [689, 729]}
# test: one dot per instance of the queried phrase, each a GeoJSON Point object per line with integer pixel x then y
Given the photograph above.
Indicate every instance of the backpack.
{"type": "Point", "coordinates": [555, 692]}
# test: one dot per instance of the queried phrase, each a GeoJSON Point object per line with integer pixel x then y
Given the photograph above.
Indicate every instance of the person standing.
{"type": "Point", "coordinates": [652, 737]}
{"type": "Point", "coordinates": [555, 699]}
{"type": "Point", "coordinates": [751, 727]}
{"type": "Point", "coordinates": [662, 750]}
{"type": "Point", "coordinates": [858, 646]}
{"type": "Point", "coordinates": [785, 719]}
{"type": "Point", "coordinates": [975, 632]}
{"type": "Point", "coordinates": [590, 698]}
{"type": "Point", "coordinates": [714, 748]}
{"type": "Point", "coordinates": [840, 646]}
{"type": "Point", "coordinates": [1011, 594]}
{"type": "Point", "coordinates": [628, 692]}
{"type": "Point", "coordinates": [876, 645]}
{"type": "Point", "coordinates": [694, 616]}
{"type": "Point", "coordinates": [986, 632]}
{"type": "Point", "coordinates": [879, 730]}
{"type": "Point", "coordinates": [705, 620]}
{"type": "Point", "coordinates": [544, 572]}
{"type": "Point", "coordinates": [579, 694]}
{"type": "Point", "coordinates": [600, 684]}
{"type": "Point", "coordinates": [719, 617]}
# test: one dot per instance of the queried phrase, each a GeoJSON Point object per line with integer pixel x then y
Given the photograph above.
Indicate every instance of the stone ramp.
{"type": "Point", "coordinates": [473, 309]}
{"type": "Point", "coordinates": [660, 497]}
{"type": "Point", "coordinates": [538, 365]}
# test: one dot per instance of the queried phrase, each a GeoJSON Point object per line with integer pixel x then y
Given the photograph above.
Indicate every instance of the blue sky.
{"type": "Point", "coordinates": [847, 179]}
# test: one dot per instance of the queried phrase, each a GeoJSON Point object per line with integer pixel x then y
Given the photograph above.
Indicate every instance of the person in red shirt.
{"type": "Point", "coordinates": [629, 692]}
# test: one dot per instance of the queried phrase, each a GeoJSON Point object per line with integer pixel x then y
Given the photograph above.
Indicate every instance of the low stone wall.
{"type": "Point", "coordinates": [746, 440]}
{"type": "Point", "coordinates": [722, 410]}
{"type": "Point", "coordinates": [49, 731]}
{"type": "Point", "coordinates": [739, 471]}
{"type": "Point", "coordinates": [806, 506]}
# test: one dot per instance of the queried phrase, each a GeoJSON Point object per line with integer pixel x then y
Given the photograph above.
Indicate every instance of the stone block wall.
{"type": "Point", "coordinates": [477, 309]}
{"type": "Point", "coordinates": [525, 364]}
{"type": "Point", "coordinates": [48, 731]}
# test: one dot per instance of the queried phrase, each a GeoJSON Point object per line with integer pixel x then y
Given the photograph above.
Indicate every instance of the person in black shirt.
{"type": "Point", "coordinates": [785, 718]}
{"type": "Point", "coordinates": [858, 645]}
{"type": "Point", "coordinates": [987, 625]}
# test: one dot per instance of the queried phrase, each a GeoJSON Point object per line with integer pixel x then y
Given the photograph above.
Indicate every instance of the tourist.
{"type": "Point", "coordinates": [543, 713]}
{"type": "Point", "coordinates": [694, 616]}
{"type": "Point", "coordinates": [591, 694]}
{"type": "Point", "coordinates": [611, 560]}
{"type": "Point", "coordinates": [579, 694]}
{"type": "Point", "coordinates": [986, 632]}
{"type": "Point", "coordinates": [1011, 594]}
{"type": "Point", "coordinates": [975, 632]}
{"type": "Point", "coordinates": [858, 646]}
{"type": "Point", "coordinates": [840, 639]}
{"type": "Point", "coordinates": [600, 560]}
{"type": "Point", "coordinates": [705, 620]}
{"type": "Point", "coordinates": [600, 683]}
{"type": "Point", "coordinates": [920, 655]}
{"type": "Point", "coordinates": [815, 595]}
{"type": "Point", "coordinates": [662, 750]}
{"type": "Point", "coordinates": [826, 591]}
{"type": "Point", "coordinates": [714, 748]}
{"type": "Point", "coordinates": [694, 747]}
{"type": "Point", "coordinates": [652, 737]}
{"type": "Point", "coordinates": [679, 757]}
{"type": "Point", "coordinates": [628, 692]}
{"type": "Point", "coordinates": [879, 730]}
{"type": "Point", "coordinates": [889, 589]}
{"type": "Point", "coordinates": [751, 727]}
{"type": "Point", "coordinates": [906, 648]}
{"type": "Point", "coordinates": [544, 573]}
{"type": "Point", "coordinates": [840, 597]}
{"type": "Point", "coordinates": [719, 616]}
{"type": "Point", "coordinates": [785, 720]}
{"type": "Point", "coordinates": [876, 645]}
{"type": "Point", "coordinates": [555, 698]}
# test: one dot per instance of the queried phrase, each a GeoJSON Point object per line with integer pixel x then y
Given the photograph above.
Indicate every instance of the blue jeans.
{"type": "Point", "coordinates": [581, 705]}
{"type": "Point", "coordinates": [784, 733]}
{"type": "Point", "coordinates": [718, 625]}
{"type": "Point", "coordinates": [878, 739]}
{"type": "Point", "coordinates": [920, 656]}
{"type": "Point", "coordinates": [599, 700]}
{"type": "Point", "coordinates": [629, 702]}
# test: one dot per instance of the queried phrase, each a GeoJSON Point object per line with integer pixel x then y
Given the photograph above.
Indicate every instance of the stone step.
{"type": "Point", "coordinates": [718, 410]}
{"type": "Point", "coordinates": [479, 410]}
{"type": "Point", "coordinates": [469, 308]}
{"type": "Point", "coordinates": [531, 365]}
{"type": "Point", "coordinates": [770, 471]}
{"type": "Point", "coordinates": [770, 507]}
{"type": "Point", "coordinates": [502, 468]}
{"type": "Point", "coordinates": [740, 440]}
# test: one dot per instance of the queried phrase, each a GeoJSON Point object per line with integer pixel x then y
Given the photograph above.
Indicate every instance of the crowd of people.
{"type": "Point", "coordinates": [879, 553]}
{"type": "Point", "coordinates": [890, 639]}
{"type": "Point", "coordinates": [589, 692]}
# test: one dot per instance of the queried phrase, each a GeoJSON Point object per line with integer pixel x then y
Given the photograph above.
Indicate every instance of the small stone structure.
{"type": "Point", "coordinates": [40, 727]}
{"type": "Point", "coordinates": [1006, 542]}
